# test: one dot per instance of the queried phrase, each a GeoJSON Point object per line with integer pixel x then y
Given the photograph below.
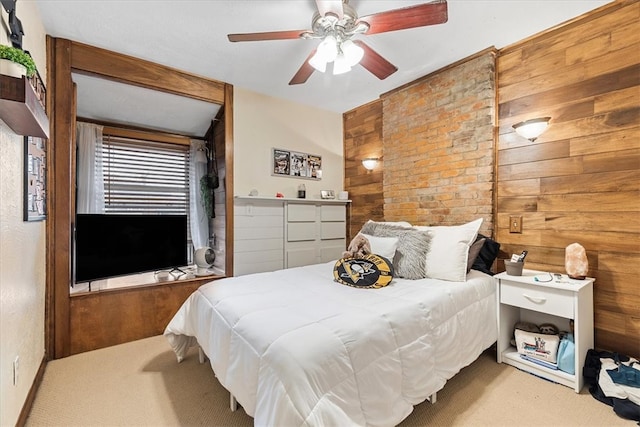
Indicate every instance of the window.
{"type": "Point", "coordinates": [145, 177]}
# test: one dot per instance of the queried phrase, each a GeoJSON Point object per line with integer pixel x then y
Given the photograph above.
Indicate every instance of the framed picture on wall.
{"type": "Point", "coordinates": [281, 162]}
{"type": "Point", "coordinates": [327, 194]}
{"type": "Point", "coordinates": [299, 165]}
{"type": "Point", "coordinates": [315, 167]}
{"type": "Point", "coordinates": [35, 188]}
{"type": "Point", "coordinates": [296, 164]}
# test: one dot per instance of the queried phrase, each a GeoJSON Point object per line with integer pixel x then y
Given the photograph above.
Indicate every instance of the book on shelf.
{"type": "Point", "coordinates": [540, 362]}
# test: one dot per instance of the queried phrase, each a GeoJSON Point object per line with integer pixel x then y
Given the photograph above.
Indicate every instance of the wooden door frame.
{"type": "Point", "coordinates": [64, 57]}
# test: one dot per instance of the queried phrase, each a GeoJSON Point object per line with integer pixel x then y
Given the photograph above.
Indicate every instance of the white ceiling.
{"type": "Point", "coordinates": [191, 35]}
{"type": "Point", "coordinates": [109, 101]}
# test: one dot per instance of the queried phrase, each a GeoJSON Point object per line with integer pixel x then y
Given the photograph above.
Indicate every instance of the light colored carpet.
{"type": "Point", "coordinates": [141, 384]}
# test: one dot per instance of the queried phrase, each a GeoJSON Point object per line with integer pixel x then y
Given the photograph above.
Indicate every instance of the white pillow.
{"type": "Point", "coordinates": [383, 246]}
{"type": "Point", "coordinates": [447, 256]}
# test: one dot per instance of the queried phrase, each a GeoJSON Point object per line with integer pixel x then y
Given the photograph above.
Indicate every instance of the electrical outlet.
{"type": "Point", "coordinates": [16, 368]}
{"type": "Point", "coordinates": [515, 224]}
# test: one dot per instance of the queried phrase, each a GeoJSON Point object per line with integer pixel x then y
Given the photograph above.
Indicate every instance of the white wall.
{"type": "Point", "coordinates": [262, 122]}
{"type": "Point", "coordinates": [22, 250]}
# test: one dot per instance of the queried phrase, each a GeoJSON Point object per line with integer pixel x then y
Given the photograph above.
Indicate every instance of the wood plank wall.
{"type": "Point", "coordinates": [580, 180]}
{"type": "Point", "coordinates": [363, 139]}
{"type": "Point", "coordinates": [219, 222]}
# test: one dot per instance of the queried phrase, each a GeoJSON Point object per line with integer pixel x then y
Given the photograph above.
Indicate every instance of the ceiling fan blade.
{"type": "Point", "coordinates": [408, 17]}
{"type": "Point", "coordinates": [375, 63]}
{"type": "Point", "coordinates": [271, 35]}
{"type": "Point", "coordinates": [304, 72]}
{"type": "Point", "coordinates": [330, 6]}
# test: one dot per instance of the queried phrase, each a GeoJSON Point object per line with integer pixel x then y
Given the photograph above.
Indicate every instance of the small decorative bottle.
{"type": "Point", "coordinates": [302, 191]}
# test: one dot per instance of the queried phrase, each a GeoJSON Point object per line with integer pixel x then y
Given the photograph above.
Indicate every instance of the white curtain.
{"type": "Point", "coordinates": [90, 198]}
{"type": "Point", "coordinates": [199, 222]}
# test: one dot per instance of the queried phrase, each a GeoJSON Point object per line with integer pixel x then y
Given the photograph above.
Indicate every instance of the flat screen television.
{"type": "Point", "coordinates": [109, 245]}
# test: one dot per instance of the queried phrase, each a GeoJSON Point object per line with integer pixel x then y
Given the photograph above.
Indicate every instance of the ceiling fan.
{"type": "Point", "coordinates": [336, 23]}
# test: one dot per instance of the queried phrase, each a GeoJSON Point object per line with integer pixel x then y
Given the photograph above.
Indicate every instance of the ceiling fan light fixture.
{"type": "Point", "coordinates": [352, 52]}
{"type": "Point", "coordinates": [318, 62]}
{"type": "Point", "coordinates": [328, 49]}
{"type": "Point", "coordinates": [335, 22]}
{"type": "Point", "coordinates": [341, 65]}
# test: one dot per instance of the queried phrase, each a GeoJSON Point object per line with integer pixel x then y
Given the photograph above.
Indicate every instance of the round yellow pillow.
{"type": "Point", "coordinates": [370, 271]}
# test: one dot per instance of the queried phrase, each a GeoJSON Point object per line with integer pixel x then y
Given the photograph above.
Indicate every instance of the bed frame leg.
{"type": "Point", "coordinates": [201, 356]}
{"type": "Point", "coordinates": [433, 398]}
{"type": "Point", "coordinates": [233, 403]}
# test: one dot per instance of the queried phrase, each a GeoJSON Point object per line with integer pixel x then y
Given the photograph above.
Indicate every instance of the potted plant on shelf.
{"type": "Point", "coordinates": [16, 62]}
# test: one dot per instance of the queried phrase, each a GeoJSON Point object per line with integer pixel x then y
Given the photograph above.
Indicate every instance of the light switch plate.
{"type": "Point", "coordinates": [515, 224]}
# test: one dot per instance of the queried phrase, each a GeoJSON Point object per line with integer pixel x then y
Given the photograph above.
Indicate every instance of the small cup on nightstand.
{"type": "Point", "coordinates": [514, 268]}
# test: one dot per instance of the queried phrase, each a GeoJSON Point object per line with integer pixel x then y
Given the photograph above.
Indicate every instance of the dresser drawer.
{"type": "Point", "coordinates": [333, 230]}
{"type": "Point", "coordinates": [301, 213]}
{"type": "Point", "coordinates": [332, 253]}
{"type": "Point", "coordinates": [543, 299]}
{"type": "Point", "coordinates": [302, 256]}
{"type": "Point", "coordinates": [333, 213]}
{"type": "Point", "coordinates": [301, 231]}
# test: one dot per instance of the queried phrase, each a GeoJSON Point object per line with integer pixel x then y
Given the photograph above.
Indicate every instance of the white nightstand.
{"type": "Point", "coordinates": [521, 298]}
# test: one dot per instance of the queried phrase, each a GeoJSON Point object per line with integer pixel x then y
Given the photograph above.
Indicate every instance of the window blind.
{"type": "Point", "coordinates": [145, 176]}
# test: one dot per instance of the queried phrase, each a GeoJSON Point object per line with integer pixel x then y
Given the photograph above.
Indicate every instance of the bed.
{"type": "Point", "coordinates": [296, 348]}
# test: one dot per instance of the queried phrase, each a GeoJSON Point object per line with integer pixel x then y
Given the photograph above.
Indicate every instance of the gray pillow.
{"type": "Point", "coordinates": [409, 261]}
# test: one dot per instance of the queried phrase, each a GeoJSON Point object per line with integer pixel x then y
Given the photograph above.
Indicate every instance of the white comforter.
{"type": "Point", "coordinates": [297, 349]}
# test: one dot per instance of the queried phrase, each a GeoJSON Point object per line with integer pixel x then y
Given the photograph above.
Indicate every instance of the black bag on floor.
{"type": "Point", "coordinates": [591, 372]}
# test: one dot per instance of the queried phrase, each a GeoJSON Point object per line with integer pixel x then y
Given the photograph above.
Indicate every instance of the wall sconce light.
{"type": "Point", "coordinates": [370, 163]}
{"type": "Point", "coordinates": [202, 154]}
{"type": "Point", "coordinates": [533, 128]}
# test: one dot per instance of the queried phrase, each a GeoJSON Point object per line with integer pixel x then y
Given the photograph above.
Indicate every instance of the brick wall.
{"type": "Point", "coordinates": [438, 146]}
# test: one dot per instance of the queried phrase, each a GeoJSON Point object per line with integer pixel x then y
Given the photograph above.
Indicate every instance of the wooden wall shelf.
{"type": "Point", "coordinates": [21, 109]}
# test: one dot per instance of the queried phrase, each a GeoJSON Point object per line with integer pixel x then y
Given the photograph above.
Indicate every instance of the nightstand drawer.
{"type": "Point", "coordinates": [543, 299]}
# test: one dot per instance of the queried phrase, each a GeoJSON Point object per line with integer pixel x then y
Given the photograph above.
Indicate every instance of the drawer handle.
{"type": "Point", "coordinates": [538, 300]}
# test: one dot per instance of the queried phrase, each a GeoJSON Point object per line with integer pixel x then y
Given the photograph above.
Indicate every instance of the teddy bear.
{"type": "Point", "coordinates": [358, 247]}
